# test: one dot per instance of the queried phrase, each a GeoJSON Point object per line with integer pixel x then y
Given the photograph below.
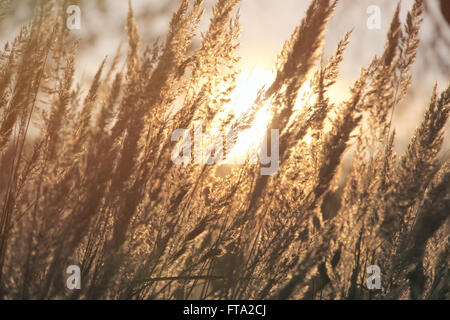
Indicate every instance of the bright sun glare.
{"type": "Point", "coordinates": [248, 84]}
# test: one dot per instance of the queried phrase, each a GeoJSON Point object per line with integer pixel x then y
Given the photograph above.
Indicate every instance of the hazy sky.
{"type": "Point", "coordinates": [266, 25]}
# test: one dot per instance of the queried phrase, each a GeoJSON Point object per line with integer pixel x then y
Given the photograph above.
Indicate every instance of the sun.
{"type": "Point", "coordinates": [248, 83]}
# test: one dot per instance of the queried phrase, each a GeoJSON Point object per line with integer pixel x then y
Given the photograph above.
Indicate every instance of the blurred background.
{"type": "Point", "coordinates": [266, 25]}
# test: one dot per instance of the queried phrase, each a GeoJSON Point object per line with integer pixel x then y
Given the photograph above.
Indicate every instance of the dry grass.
{"type": "Point", "coordinates": [97, 188]}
